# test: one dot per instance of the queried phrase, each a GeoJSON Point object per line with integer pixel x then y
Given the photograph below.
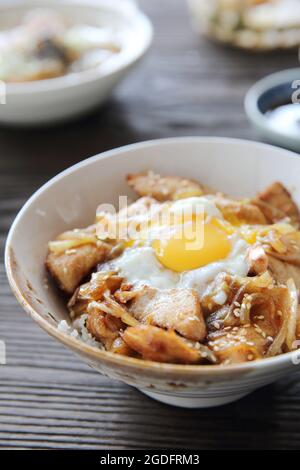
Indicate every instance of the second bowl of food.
{"type": "Point", "coordinates": [258, 25]}
{"type": "Point", "coordinates": [171, 265]}
{"type": "Point", "coordinates": [62, 58]}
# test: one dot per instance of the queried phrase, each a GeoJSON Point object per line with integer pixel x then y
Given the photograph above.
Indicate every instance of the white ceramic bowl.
{"type": "Point", "coordinates": [57, 99]}
{"type": "Point", "coordinates": [70, 199]}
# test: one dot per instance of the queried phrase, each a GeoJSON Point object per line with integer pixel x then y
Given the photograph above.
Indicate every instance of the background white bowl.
{"type": "Point", "coordinates": [239, 168]}
{"type": "Point", "coordinates": [223, 28]}
{"type": "Point", "coordinates": [58, 99]}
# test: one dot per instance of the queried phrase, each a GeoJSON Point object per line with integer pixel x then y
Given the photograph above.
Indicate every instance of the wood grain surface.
{"type": "Point", "coordinates": [48, 398]}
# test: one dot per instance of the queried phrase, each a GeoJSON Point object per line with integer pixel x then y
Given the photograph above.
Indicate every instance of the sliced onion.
{"type": "Point", "coordinates": [293, 314]}
{"type": "Point", "coordinates": [61, 246]}
{"type": "Point", "coordinates": [276, 346]}
{"type": "Point", "coordinates": [112, 307]}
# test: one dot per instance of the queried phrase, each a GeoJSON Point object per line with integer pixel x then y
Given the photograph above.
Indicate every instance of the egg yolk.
{"type": "Point", "coordinates": [192, 252]}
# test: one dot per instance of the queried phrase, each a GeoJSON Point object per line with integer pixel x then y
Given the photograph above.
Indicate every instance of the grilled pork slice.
{"type": "Point", "coordinates": [163, 188]}
{"type": "Point", "coordinates": [247, 342]}
{"type": "Point", "coordinates": [276, 203]}
{"type": "Point", "coordinates": [156, 344]}
{"type": "Point", "coordinates": [100, 282]}
{"type": "Point", "coordinates": [174, 309]}
{"type": "Point", "coordinates": [298, 323]}
{"type": "Point", "coordinates": [257, 260]}
{"type": "Point", "coordinates": [120, 347]}
{"type": "Point", "coordinates": [242, 345]}
{"type": "Point", "coordinates": [104, 327]}
{"type": "Point", "coordinates": [68, 269]}
{"type": "Point", "coordinates": [254, 326]}
{"type": "Point", "coordinates": [107, 327]}
{"type": "Point", "coordinates": [286, 248]}
{"type": "Point", "coordinates": [115, 226]}
{"type": "Point", "coordinates": [73, 255]}
{"type": "Point", "coordinates": [238, 212]}
{"type": "Point", "coordinates": [282, 265]}
{"type": "Point", "coordinates": [282, 271]}
{"type": "Point", "coordinates": [141, 206]}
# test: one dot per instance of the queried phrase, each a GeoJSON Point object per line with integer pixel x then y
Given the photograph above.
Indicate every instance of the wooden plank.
{"type": "Point", "coordinates": [48, 399]}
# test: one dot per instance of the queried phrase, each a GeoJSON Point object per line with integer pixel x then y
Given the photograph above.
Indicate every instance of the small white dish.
{"type": "Point", "coordinates": [58, 99]}
{"type": "Point", "coordinates": [70, 199]}
{"type": "Point", "coordinates": [268, 94]}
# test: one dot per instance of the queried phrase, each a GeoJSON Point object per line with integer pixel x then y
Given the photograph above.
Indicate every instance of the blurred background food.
{"type": "Point", "coordinates": [60, 59]}
{"type": "Point", "coordinates": [185, 85]}
{"type": "Point", "coordinates": [47, 45]}
{"type": "Point", "coordinates": [250, 24]}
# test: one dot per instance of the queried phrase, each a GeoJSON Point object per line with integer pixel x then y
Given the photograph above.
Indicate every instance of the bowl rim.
{"type": "Point", "coordinates": [257, 117]}
{"type": "Point", "coordinates": [98, 354]}
{"type": "Point", "coordinates": [133, 12]}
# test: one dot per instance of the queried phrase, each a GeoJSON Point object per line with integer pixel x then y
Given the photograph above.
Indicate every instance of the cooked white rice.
{"type": "Point", "coordinates": [79, 331]}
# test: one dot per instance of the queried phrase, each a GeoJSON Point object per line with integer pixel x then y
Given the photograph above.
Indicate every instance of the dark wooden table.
{"type": "Point", "coordinates": [49, 399]}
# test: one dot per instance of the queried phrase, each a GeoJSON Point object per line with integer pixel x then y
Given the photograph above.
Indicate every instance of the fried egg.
{"type": "Point", "coordinates": [187, 249]}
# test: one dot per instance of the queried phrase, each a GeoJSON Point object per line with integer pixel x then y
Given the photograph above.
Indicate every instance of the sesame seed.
{"type": "Point", "coordinates": [70, 252]}
{"type": "Point", "coordinates": [260, 331]}
{"type": "Point", "coordinates": [250, 357]}
{"type": "Point", "coordinates": [217, 325]}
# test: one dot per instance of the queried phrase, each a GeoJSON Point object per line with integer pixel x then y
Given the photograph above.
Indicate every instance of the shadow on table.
{"type": "Point", "coordinates": [262, 420]}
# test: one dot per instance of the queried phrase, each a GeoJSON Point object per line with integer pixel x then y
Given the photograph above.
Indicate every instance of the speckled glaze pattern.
{"type": "Point", "coordinates": [70, 200]}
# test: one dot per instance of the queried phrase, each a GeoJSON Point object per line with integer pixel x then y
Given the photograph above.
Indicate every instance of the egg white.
{"type": "Point", "coordinates": [234, 264]}
{"type": "Point", "coordinates": [140, 266]}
